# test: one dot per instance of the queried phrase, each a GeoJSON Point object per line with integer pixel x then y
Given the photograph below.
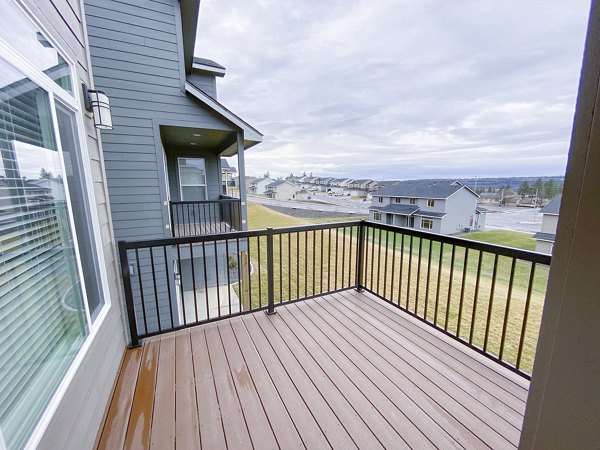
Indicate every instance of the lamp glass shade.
{"type": "Point", "coordinates": [101, 110]}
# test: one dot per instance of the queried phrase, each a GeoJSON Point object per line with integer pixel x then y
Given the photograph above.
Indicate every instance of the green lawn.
{"type": "Point", "coordinates": [506, 238]}
{"type": "Point", "coordinates": [260, 217]}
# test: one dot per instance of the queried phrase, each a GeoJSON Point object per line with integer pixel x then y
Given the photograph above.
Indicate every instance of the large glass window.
{"type": "Point", "coordinates": [192, 179]}
{"type": "Point", "coordinates": [49, 295]}
{"type": "Point", "coordinates": [41, 297]}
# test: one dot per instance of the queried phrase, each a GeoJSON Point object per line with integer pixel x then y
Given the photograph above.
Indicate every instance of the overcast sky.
{"type": "Point", "coordinates": [396, 89]}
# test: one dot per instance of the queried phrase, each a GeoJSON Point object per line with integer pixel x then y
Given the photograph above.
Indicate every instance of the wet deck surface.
{"type": "Point", "coordinates": [343, 371]}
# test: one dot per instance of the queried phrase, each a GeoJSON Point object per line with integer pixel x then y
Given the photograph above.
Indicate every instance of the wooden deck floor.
{"type": "Point", "coordinates": [342, 371]}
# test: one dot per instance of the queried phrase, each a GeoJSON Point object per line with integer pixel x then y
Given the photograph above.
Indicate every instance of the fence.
{"type": "Point", "coordinates": [196, 218]}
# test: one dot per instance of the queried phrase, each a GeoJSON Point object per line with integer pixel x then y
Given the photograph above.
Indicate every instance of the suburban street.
{"type": "Point", "coordinates": [510, 218]}
{"type": "Point", "coordinates": [321, 203]}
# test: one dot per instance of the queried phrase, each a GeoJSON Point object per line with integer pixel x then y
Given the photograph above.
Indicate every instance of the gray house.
{"type": "Point", "coordinates": [281, 190]}
{"type": "Point", "coordinates": [545, 238]}
{"type": "Point", "coordinates": [444, 206]}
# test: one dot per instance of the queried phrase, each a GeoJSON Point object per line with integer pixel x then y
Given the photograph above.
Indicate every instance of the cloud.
{"type": "Point", "coordinates": [398, 88]}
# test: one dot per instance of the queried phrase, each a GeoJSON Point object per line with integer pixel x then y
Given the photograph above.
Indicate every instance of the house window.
{"type": "Point", "coordinates": [376, 215]}
{"type": "Point", "coordinates": [51, 295]}
{"type": "Point", "coordinates": [411, 222]}
{"type": "Point", "coordinates": [413, 201]}
{"type": "Point", "coordinates": [380, 199]}
{"type": "Point", "coordinates": [427, 224]}
{"type": "Point", "coordinates": [430, 202]}
{"type": "Point", "coordinates": [397, 199]}
{"type": "Point", "coordinates": [192, 179]}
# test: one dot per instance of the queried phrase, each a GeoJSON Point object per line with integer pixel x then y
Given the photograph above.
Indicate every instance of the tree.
{"type": "Point", "coordinates": [304, 173]}
{"type": "Point", "coordinates": [46, 174]}
{"type": "Point", "coordinates": [525, 189]}
{"type": "Point", "coordinates": [538, 187]}
{"type": "Point", "coordinates": [267, 174]}
{"type": "Point", "coordinates": [550, 189]}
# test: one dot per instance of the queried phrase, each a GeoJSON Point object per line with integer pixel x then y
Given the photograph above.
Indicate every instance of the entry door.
{"type": "Point", "coordinates": [411, 222]}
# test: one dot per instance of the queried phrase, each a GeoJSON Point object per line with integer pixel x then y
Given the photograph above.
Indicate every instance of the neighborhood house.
{"type": "Point", "coordinates": [444, 206]}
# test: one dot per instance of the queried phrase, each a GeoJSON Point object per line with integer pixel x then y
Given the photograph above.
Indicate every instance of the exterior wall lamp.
{"type": "Point", "coordinates": [98, 104]}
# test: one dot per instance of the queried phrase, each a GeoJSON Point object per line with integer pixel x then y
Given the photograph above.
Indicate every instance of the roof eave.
{"type": "Point", "coordinates": [189, 20]}
{"type": "Point", "coordinates": [251, 134]}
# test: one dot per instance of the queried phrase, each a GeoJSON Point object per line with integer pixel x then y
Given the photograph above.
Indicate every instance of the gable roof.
{"type": "Point", "coordinates": [251, 135]}
{"type": "Point", "coordinates": [553, 206]}
{"type": "Point", "coordinates": [279, 183]}
{"type": "Point", "coordinates": [422, 189]}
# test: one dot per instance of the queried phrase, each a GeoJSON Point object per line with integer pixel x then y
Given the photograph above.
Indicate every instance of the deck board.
{"type": "Point", "coordinates": [340, 371]}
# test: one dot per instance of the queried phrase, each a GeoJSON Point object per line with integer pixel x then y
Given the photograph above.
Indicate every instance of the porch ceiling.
{"type": "Point", "coordinates": [198, 138]}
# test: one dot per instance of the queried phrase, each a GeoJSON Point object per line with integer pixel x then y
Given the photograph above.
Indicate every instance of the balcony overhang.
{"type": "Point", "coordinates": [251, 135]}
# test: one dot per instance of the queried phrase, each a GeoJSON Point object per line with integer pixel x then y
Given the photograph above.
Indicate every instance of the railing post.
{"type": "Point", "coordinates": [360, 256]}
{"type": "Point", "coordinates": [270, 278]}
{"type": "Point", "coordinates": [172, 224]}
{"type": "Point", "coordinates": [135, 340]}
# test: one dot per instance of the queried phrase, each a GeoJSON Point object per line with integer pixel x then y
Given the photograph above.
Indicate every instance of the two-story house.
{"type": "Point", "coordinates": [258, 186]}
{"type": "Point", "coordinates": [443, 206]}
{"type": "Point", "coordinates": [281, 190]}
{"type": "Point", "coordinates": [546, 237]}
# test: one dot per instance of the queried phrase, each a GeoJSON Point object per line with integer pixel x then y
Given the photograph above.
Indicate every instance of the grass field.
{"type": "Point", "coordinates": [309, 263]}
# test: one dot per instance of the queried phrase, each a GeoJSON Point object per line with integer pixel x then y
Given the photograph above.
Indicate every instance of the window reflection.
{"type": "Point", "coordinates": [20, 33]}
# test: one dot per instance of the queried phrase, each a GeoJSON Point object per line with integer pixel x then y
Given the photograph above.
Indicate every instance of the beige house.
{"type": "Point", "coordinates": [545, 238]}
{"type": "Point", "coordinates": [281, 190]}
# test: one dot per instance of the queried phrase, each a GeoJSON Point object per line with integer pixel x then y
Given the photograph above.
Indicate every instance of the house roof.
{"type": "Point", "coordinates": [277, 183]}
{"type": "Point", "coordinates": [225, 167]}
{"type": "Point", "coordinates": [251, 135]}
{"type": "Point", "coordinates": [421, 189]}
{"type": "Point", "coordinates": [553, 206]}
{"type": "Point", "coordinates": [545, 237]}
{"type": "Point", "coordinates": [362, 181]}
{"type": "Point", "coordinates": [208, 62]}
{"type": "Point", "coordinates": [422, 213]}
{"type": "Point", "coordinates": [397, 209]}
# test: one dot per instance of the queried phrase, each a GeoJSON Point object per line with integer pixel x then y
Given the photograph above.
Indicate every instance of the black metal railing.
{"type": "Point", "coordinates": [197, 218]}
{"type": "Point", "coordinates": [486, 296]}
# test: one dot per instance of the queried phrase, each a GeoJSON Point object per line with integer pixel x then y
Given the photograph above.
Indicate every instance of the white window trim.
{"type": "Point", "coordinates": [429, 220]}
{"type": "Point", "coordinates": [375, 214]}
{"type": "Point", "coordinates": [181, 186]}
{"type": "Point", "coordinates": [432, 201]}
{"type": "Point", "coordinates": [410, 200]}
{"type": "Point", "coordinates": [73, 101]}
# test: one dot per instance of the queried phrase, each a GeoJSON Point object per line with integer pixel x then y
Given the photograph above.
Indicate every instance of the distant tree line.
{"type": "Point", "coordinates": [546, 190]}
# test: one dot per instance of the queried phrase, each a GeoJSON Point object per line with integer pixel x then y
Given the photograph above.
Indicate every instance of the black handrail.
{"type": "Point", "coordinates": [195, 218]}
{"type": "Point", "coordinates": [480, 294]}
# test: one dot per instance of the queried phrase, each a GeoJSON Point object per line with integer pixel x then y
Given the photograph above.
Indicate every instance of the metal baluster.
{"type": "Point", "coordinates": [137, 260]}
{"type": "Point", "coordinates": [270, 277]}
{"type": "Point", "coordinates": [439, 279]}
{"type": "Point", "coordinates": [167, 275]}
{"type": "Point", "coordinates": [450, 287]}
{"type": "Point", "coordinates": [418, 277]}
{"type": "Point", "coordinates": [489, 314]}
{"type": "Point", "coordinates": [525, 314]}
{"type": "Point", "coordinates": [507, 310]}
{"type": "Point", "coordinates": [462, 292]}
{"type": "Point", "coordinates": [155, 288]}
{"type": "Point", "coordinates": [476, 295]}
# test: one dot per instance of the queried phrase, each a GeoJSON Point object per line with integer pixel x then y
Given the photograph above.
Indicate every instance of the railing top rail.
{"type": "Point", "coordinates": [200, 202]}
{"type": "Point", "coordinates": [130, 245]}
{"type": "Point", "coordinates": [511, 252]}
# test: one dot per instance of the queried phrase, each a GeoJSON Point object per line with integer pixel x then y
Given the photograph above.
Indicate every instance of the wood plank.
{"type": "Point", "coordinates": [352, 383]}
{"type": "Point", "coordinates": [428, 417]}
{"type": "Point", "coordinates": [117, 419]}
{"type": "Point", "coordinates": [347, 412]}
{"type": "Point", "coordinates": [276, 385]}
{"type": "Point", "coordinates": [486, 374]}
{"type": "Point", "coordinates": [258, 421]}
{"type": "Point", "coordinates": [162, 435]}
{"type": "Point", "coordinates": [234, 422]}
{"type": "Point", "coordinates": [304, 401]}
{"type": "Point", "coordinates": [140, 420]}
{"type": "Point", "coordinates": [456, 385]}
{"type": "Point", "coordinates": [399, 365]}
{"type": "Point", "coordinates": [209, 412]}
{"type": "Point", "coordinates": [187, 429]}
